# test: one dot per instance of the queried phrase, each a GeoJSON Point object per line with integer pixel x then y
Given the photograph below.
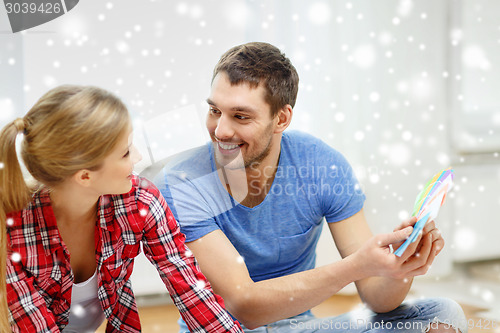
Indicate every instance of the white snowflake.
{"type": "Point", "coordinates": [49, 81]}
{"type": "Point", "coordinates": [487, 296]}
{"type": "Point", "coordinates": [319, 13]}
{"type": "Point", "coordinates": [374, 178]}
{"type": "Point", "coordinates": [364, 56]}
{"type": "Point", "coordinates": [406, 135]}
{"type": "Point", "coordinates": [374, 96]}
{"type": "Point", "coordinates": [238, 14]}
{"type": "Point", "coordinates": [16, 257]}
{"type": "Point", "coordinates": [385, 38]}
{"type": "Point", "coordinates": [403, 215]}
{"type": "Point", "coordinates": [474, 56]}
{"type": "Point", "coordinates": [465, 238]}
{"type": "Point", "coordinates": [78, 310]}
{"type": "Point", "coordinates": [405, 7]}
{"type": "Point", "coordinates": [8, 111]}
{"type": "Point", "coordinates": [182, 8]}
{"type": "Point", "coordinates": [399, 154]}
{"type": "Point", "coordinates": [200, 284]}
{"type": "Point", "coordinates": [359, 136]}
{"type": "Point", "coordinates": [122, 47]}
{"type": "Point", "coordinates": [443, 159]}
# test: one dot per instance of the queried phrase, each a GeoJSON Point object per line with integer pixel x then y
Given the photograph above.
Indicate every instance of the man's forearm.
{"type": "Point", "coordinates": [267, 301]}
{"type": "Point", "coordinates": [382, 294]}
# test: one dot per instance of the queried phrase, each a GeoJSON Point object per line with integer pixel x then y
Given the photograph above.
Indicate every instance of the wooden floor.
{"type": "Point", "coordinates": [163, 318]}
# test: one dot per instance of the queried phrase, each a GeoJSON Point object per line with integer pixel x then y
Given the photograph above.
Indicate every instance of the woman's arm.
{"type": "Point", "coordinates": [192, 294]}
{"type": "Point", "coordinates": [27, 307]}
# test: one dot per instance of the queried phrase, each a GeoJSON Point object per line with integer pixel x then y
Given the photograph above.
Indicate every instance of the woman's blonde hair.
{"type": "Point", "coordinates": [70, 128]}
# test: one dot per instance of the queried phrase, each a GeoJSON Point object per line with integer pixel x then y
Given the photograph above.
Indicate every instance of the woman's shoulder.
{"type": "Point", "coordinates": [142, 194]}
{"type": "Point", "coordinates": [27, 216]}
{"type": "Point", "coordinates": [34, 226]}
{"type": "Point", "coordinates": [143, 188]}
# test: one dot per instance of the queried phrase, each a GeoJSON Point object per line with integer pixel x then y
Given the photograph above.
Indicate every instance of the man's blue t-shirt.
{"type": "Point", "coordinates": [279, 236]}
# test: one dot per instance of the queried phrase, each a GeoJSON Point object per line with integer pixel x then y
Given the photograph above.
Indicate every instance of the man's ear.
{"type": "Point", "coordinates": [284, 117]}
{"type": "Point", "coordinates": [82, 177]}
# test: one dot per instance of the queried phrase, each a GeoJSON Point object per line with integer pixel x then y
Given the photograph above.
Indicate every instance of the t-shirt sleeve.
{"type": "Point", "coordinates": [341, 194]}
{"type": "Point", "coordinates": [189, 205]}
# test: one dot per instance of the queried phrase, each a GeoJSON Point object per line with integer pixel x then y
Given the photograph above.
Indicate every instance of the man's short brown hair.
{"type": "Point", "coordinates": [259, 62]}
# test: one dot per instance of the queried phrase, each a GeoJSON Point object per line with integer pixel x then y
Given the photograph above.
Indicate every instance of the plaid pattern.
{"type": "Point", "coordinates": [39, 276]}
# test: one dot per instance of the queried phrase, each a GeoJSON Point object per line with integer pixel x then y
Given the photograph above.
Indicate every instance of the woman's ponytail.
{"type": "Point", "coordinates": [14, 196]}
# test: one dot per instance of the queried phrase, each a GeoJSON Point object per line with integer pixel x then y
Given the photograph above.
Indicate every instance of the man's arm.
{"type": "Point", "coordinates": [258, 303]}
{"type": "Point", "coordinates": [384, 291]}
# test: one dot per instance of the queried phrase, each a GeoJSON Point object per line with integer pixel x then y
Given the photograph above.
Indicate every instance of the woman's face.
{"type": "Point", "coordinates": [114, 177]}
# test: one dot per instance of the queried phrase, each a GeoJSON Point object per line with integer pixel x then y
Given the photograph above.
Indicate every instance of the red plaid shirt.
{"type": "Point", "coordinates": [39, 275]}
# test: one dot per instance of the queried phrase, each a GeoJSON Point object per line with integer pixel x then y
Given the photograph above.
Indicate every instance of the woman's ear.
{"type": "Point", "coordinates": [284, 117]}
{"type": "Point", "coordinates": [82, 177]}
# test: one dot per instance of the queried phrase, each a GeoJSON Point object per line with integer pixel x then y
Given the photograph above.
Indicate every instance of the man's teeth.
{"type": "Point", "coordinates": [227, 146]}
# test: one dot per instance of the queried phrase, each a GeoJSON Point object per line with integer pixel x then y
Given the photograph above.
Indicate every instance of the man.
{"type": "Point", "coordinates": [252, 201]}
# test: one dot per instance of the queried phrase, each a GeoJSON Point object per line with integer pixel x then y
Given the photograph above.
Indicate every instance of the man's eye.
{"type": "Point", "coordinates": [214, 111]}
{"type": "Point", "coordinates": [238, 116]}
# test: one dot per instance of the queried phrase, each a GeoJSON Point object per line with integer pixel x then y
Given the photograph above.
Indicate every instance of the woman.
{"type": "Point", "coordinates": [72, 241]}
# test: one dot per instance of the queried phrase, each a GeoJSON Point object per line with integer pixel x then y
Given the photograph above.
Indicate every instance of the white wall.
{"type": "Point", "coordinates": [378, 82]}
{"type": "Point", "coordinates": [11, 72]}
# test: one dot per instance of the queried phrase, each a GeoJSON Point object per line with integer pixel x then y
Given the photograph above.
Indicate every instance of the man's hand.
{"type": "Point", "coordinates": [382, 278]}
{"type": "Point", "coordinates": [376, 258]}
{"type": "Point", "coordinates": [435, 235]}
{"type": "Point", "coordinates": [430, 227]}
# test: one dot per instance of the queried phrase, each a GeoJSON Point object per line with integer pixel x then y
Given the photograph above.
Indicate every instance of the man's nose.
{"type": "Point", "coordinates": [224, 129]}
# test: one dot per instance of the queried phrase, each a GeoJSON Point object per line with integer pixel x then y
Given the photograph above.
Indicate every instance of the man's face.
{"type": "Point", "coordinates": [239, 123]}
